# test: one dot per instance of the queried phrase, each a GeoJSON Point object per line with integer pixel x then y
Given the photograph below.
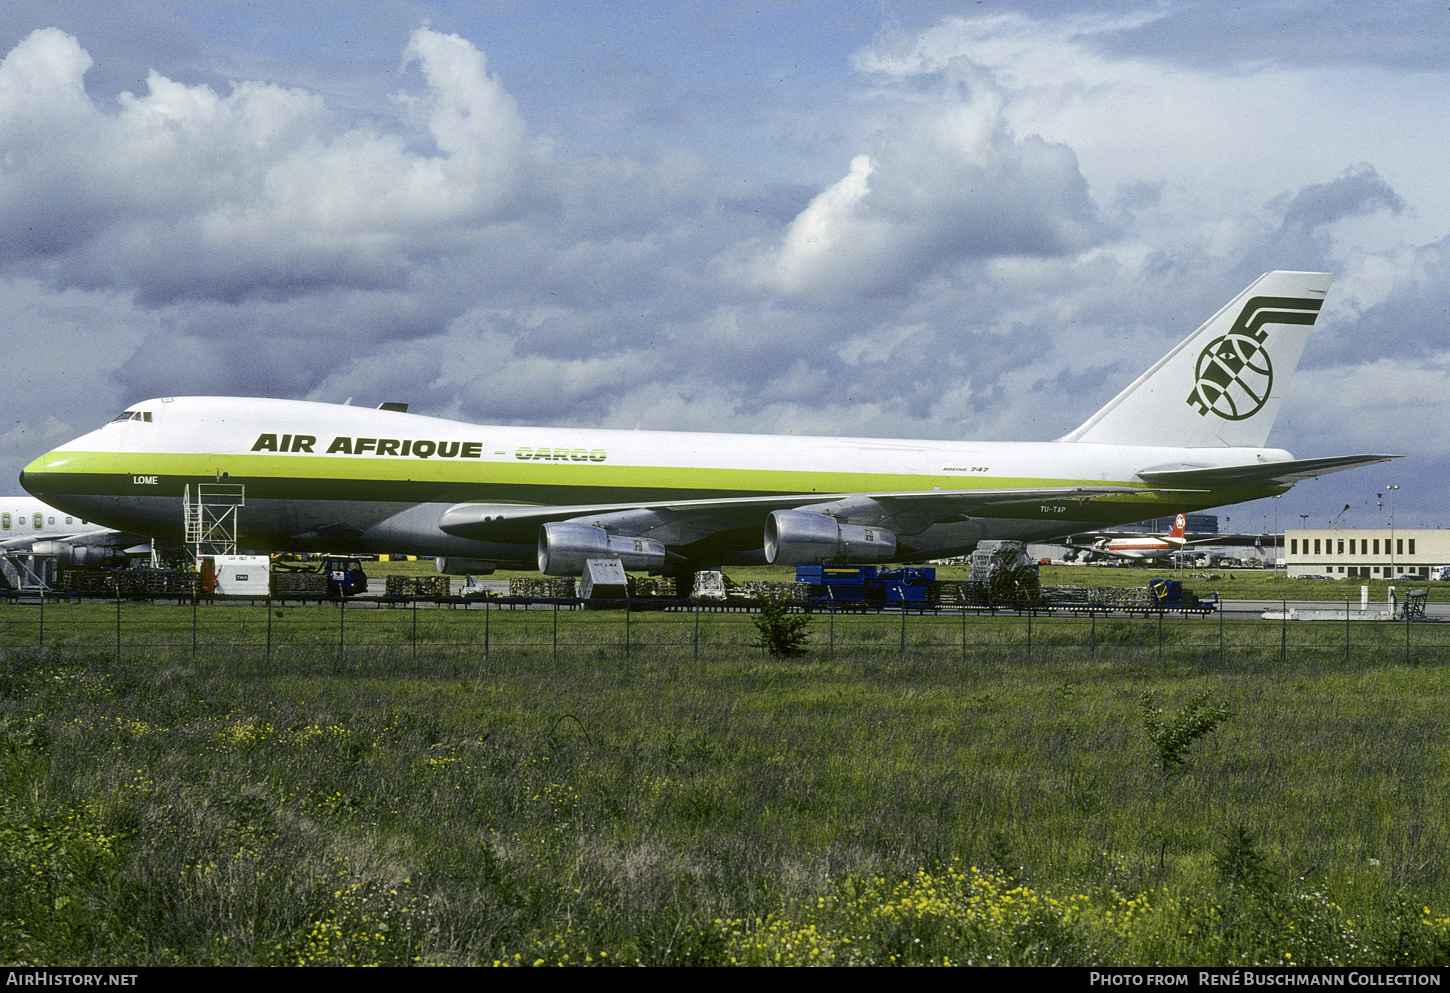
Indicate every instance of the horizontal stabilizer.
{"type": "Point", "coordinates": [1255, 473]}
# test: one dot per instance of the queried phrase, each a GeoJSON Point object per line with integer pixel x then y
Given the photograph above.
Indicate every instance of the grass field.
{"type": "Point", "coordinates": [579, 805]}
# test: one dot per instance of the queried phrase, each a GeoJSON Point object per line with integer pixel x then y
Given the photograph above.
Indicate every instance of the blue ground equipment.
{"type": "Point", "coordinates": [866, 586]}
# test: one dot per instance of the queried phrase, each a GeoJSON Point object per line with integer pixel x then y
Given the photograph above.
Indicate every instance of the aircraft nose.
{"type": "Point", "coordinates": [31, 479]}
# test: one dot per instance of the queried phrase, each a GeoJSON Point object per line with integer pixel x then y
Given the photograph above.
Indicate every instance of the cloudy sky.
{"type": "Point", "coordinates": [905, 218]}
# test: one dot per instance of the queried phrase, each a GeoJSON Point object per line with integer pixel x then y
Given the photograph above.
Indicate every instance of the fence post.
{"type": "Point", "coordinates": [1346, 630]}
{"type": "Point", "coordinates": [269, 628]}
{"type": "Point", "coordinates": [697, 630]}
{"type": "Point", "coordinates": [193, 627]}
{"type": "Point", "coordinates": [1029, 635]}
{"type": "Point", "coordinates": [626, 630]}
{"type": "Point", "coordinates": [485, 630]}
{"type": "Point", "coordinates": [1283, 630]}
{"type": "Point", "coordinates": [1160, 635]}
{"type": "Point", "coordinates": [903, 630]}
{"type": "Point", "coordinates": [1092, 635]}
{"type": "Point", "coordinates": [40, 643]}
{"type": "Point", "coordinates": [118, 621]}
{"type": "Point", "coordinates": [341, 628]}
{"type": "Point", "coordinates": [556, 631]}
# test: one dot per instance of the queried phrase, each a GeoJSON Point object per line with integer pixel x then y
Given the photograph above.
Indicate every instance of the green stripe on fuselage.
{"type": "Point", "coordinates": [397, 481]}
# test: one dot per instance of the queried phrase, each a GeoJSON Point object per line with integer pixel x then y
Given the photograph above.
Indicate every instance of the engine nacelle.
{"type": "Point", "coordinates": [68, 556]}
{"type": "Point", "coordinates": [565, 547]}
{"type": "Point", "coordinates": [452, 565]}
{"type": "Point", "coordinates": [800, 537]}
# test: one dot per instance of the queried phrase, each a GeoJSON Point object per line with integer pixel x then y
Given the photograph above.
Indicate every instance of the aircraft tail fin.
{"type": "Point", "coordinates": [1180, 526]}
{"type": "Point", "coordinates": [1222, 385]}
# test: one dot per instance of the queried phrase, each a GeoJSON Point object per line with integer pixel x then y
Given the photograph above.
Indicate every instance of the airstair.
{"type": "Point", "coordinates": [27, 571]}
{"type": "Point", "coordinates": [211, 518]}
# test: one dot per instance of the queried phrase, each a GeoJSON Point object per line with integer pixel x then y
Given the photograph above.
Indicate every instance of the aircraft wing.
{"type": "Point", "coordinates": [684, 522]}
{"type": "Point", "coordinates": [1287, 473]}
{"type": "Point", "coordinates": [101, 538]}
{"type": "Point", "coordinates": [23, 543]}
{"type": "Point", "coordinates": [1095, 536]}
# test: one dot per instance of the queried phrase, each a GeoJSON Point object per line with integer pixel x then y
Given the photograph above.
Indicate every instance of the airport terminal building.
{"type": "Point", "coordinates": [1371, 554]}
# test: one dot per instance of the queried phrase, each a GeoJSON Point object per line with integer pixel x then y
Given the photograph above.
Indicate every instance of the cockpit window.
{"type": "Point", "coordinates": [132, 415]}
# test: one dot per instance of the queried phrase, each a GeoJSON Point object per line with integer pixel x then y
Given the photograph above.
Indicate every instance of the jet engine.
{"type": "Point", "coordinates": [68, 556]}
{"type": "Point", "coordinates": [800, 537]}
{"type": "Point", "coordinates": [452, 565]}
{"type": "Point", "coordinates": [565, 546]}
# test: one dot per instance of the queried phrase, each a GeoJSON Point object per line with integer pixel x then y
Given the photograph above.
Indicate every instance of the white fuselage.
{"type": "Point", "coordinates": [24, 520]}
{"type": "Point", "coordinates": [318, 476]}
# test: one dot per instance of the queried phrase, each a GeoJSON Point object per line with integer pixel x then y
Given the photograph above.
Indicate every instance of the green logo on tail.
{"type": "Point", "coordinates": [1234, 376]}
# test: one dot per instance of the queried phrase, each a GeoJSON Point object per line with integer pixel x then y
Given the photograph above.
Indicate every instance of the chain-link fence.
{"type": "Point", "coordinates": [462, 630]}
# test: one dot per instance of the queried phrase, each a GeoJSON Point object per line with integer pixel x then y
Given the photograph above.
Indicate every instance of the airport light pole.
{"type": "Point", "coordinates": [1278, 538]}
{"type": "Point", "coordinates": [1390, 488]}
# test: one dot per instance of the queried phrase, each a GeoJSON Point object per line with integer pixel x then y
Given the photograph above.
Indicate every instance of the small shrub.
{"type": "Point", "coordinates": [1240, 864]}
{"type": "Point", "coordinates": [782, 633]}
{"type": "Point", "coordinates": [1174, 735]}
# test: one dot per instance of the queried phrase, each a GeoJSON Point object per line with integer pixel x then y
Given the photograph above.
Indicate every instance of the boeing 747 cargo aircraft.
{"type": "Point", "coordinates": [1187, 434]}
